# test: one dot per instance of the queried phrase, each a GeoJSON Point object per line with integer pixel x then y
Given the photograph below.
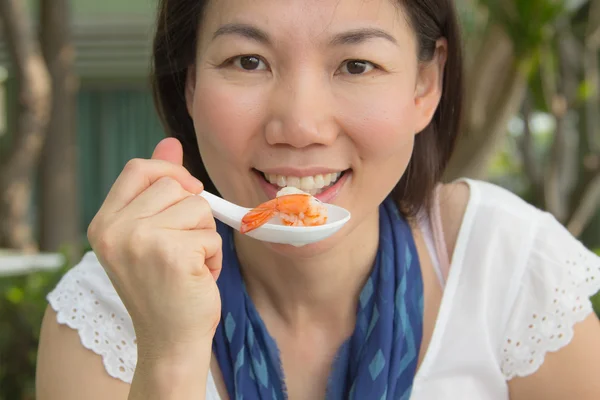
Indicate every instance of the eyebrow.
{"type": "Point", "coordinates": [244, 30]}
{"type": "Point", "coordinates": [352, 37]}
{"type": "Point", "coordinates": [357, 36]}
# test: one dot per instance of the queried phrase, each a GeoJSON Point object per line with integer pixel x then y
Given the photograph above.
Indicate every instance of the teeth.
{"type": "Point", "coordinates": [310, 184]}
{"type": "Point", "coordinates": [280, 180]}
{"type": "Point", "coordinates": [307, 182]}
{"type": "Point", "coordinates": [295, 182]}
{"type": "Point", "coordinates": [319, 181]}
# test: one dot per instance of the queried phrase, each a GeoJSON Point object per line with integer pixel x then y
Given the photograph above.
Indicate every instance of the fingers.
{"type": "Point", "coordinates": [139, 174]}
{"type": "Point", "coordinates": [191, 212]}
{"type": "Point", "coordinates": [192, 220]}
{"type": "Point", "coordinates": [215, 264]}
{"type": "Point", "coordinates": [170, 150]}
{"type": "Point", "coordinates": [162, 194]}
{"type": "Point", "coordinates": [207, 245]}
{"type": "Point", "coordinates": [212, 243]}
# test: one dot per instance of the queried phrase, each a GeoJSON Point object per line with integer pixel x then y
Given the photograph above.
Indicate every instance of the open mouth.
{"type": "Point", "coordinates": [311, 184]}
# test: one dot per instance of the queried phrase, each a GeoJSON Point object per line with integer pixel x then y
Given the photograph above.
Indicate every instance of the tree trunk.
{"type": "Point", "coordinates": [496, 85]}
{"type": "Point", "coordinates": [586, 209]}
{"type": "Point", "coordinates": [18, 168]}
{"type": "Point", "coordinates": [59, 203]}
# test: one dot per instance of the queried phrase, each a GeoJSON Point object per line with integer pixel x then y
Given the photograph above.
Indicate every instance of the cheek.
{"type": "Point", "coordinates": [381, 125]}
{"type": "Point", "coordinates": [227, 121]}
{"type": "Point", "coordinates": [381, 129]}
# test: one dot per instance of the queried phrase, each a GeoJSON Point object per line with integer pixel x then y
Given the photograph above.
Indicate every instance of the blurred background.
{"type": "Point", "coordinates": [75, 105]}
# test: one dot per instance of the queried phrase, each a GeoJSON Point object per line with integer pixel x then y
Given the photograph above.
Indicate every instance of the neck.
{"type": "Point", "coordinates": [321, 288]}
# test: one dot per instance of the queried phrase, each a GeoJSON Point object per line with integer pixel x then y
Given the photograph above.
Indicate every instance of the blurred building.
{"type": "Point", "coordinates": [116, 120]}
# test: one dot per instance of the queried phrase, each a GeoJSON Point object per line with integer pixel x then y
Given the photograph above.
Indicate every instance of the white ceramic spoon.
{"type": "Point", "coordinates": [273, 231]}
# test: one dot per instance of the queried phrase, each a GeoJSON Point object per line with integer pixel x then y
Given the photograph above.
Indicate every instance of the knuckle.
{"type": "Point", "coordinates": [218, 240]}
{"type": "Point", "coordinates": [98, 236]}
{"type": "Point", "coordinates": [204, 211]}
{"type": "Point", "coordinates": [92, 231]}
{"type": "Point", "coordinates": [211, 245]}
{"type": "Point", "coordinates": [168, 182]}
{"type": "Point", "coordinates": [135, 166]}
{"type": "Point", "coordinates": [202, 204]}
{"type": "Point", "coordinates": [104, 245]}
{"type": "Point", "coordinates": [170, 185]}
{"type": "Point", "coordinates": [198, 258]}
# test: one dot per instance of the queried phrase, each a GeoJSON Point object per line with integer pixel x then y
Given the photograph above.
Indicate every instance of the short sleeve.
{"type": "Point", "coordinates": [85, 300]}
{"type": "Point", "coordinates": [559, 277]}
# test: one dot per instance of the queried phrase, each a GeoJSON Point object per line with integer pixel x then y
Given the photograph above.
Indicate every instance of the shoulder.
{"type": "Point", "coordinates": [542, 275]}
{"type": "Point", "coordinates": [81, 375]}
{"type": "Point", "coordinates": [496, 222]}
{"type": "Point", "coordinates": [552, 336]}
{"type": "Point", "coordinates": [557, 278]}
{"type": "Point", "coordinates": [459, 196]}
{"type": "Point", "coordinates": [467, 205]}
{"type": "Point", "coordinates": [87, 329]}
{"type": "Point", "coordinates": [86, 301]}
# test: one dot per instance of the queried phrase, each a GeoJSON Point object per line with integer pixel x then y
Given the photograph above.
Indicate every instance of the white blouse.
{"type": "Point", "coordinates": [518, 283]}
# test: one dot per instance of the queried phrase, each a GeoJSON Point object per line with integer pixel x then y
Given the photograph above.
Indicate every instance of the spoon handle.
{"type": "Point", "coordinates": [225, 211]}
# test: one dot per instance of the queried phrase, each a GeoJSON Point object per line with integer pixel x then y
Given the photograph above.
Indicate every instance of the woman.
{"type": "Point", "coordinates": [456, 291]}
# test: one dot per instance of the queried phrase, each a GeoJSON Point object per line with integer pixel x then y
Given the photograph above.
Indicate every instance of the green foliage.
{"type": "Point", "coordinates": [585, 90]}
{"type": "Point", "coordinates": [529, 23]}
{"type": "Point", "coordinates": [504, 164]}
{"type": "Point", "coordinates": [22, 306]}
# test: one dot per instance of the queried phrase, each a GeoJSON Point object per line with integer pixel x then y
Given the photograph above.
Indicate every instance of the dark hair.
{"type": "Point", "coordinates": [174, 50]}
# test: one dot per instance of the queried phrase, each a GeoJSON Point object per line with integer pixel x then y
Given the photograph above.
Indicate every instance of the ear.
{"type": "Point", "coordinates": [190, 88]}
{"type": "Point", "coordinates": [430, 82]}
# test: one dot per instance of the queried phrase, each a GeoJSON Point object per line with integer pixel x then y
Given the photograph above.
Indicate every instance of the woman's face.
{"type": "Point", "coordinates": [324, 95]}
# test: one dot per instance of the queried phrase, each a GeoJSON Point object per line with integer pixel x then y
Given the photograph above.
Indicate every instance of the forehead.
{"type": "Point", "coordinates": [307, 19]}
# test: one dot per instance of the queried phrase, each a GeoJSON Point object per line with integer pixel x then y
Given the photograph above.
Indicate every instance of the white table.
{"type": "Point", "coordinates": [16, 263]}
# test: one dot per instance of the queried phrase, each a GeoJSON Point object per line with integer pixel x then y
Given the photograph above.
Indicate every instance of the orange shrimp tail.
{"type": "Point", "coordinates": [258, 216]}
{"type": "Point", "coordinates": [293, 203]}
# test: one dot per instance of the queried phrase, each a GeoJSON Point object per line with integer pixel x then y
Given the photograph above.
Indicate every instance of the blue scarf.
{"type": "Point", "coordinates": [378, 361]}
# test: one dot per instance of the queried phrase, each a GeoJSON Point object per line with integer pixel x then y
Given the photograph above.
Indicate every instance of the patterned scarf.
{"type": "Point", "coordinates": [378, 361]}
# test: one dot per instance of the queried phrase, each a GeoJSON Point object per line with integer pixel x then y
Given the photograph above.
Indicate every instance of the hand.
{"type": "Point", "coordinates": [158, 243]}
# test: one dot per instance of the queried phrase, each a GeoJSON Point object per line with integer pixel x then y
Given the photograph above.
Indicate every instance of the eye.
{"type": "Point", "coordinates": [249, 63]}
{"type": "Point", "coordinates": [356, 67]}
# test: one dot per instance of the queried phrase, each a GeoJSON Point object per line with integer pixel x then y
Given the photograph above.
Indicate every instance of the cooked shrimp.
{"type": "Point", "coordinates": [296, 209]}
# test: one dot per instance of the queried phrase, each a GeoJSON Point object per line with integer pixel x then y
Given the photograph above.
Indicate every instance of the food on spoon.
{"type": "Point", "coordinates": [293, 206]}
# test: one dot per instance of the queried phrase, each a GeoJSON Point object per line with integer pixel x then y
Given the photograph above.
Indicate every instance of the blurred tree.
{"type": "Point", "coordinates": [59, 202]}
{"type": "Point", "coordinates": [503, 42]}
{"type": "Point", "coordinates": [523, 57]}
{"type": "Point", "coordinates": [45, 139]}
{"type": "Point", "coordinates": [17, 167]}
{"type": "Point", "coordinates": [565, 178]}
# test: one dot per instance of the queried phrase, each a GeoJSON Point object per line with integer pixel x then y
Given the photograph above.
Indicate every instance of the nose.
{"type": "Point", "coordinates": [301, 114]}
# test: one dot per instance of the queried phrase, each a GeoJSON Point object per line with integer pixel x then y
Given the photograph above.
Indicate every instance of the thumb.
{"type": "Point", "coordinates": [169, 149]}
